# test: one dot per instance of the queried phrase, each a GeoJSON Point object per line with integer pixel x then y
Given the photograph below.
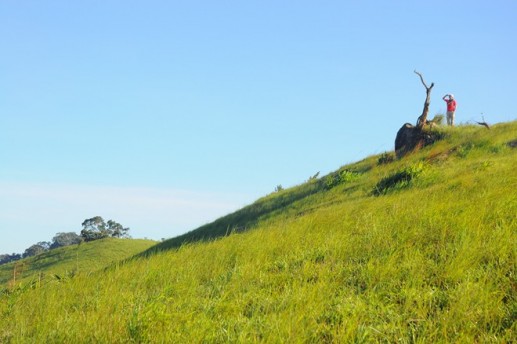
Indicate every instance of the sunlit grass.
{"type": "Point", "coordinates": [428, 263]}
{"type": "Point", "coordinates": [69, 260]}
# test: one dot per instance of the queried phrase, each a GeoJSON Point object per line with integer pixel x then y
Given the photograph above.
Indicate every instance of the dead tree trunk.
{"type": "Point", "coordinates": [422, 120]}
{"type": "Point", "coordinates": [484, 123]}
{"type": "Point", "coordinates": [410, 137]}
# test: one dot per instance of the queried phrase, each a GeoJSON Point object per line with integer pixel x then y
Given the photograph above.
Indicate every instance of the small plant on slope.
{"type": "Point", "coordinates": [386, 158]}
{"type": "Point", "coordinates": [342, 177]}
{"type": "Point", "coordinates": [399, 180]}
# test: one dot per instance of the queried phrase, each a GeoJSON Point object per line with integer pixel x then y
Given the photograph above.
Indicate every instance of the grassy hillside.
{"type": "Point", "coordinates": [67, 261]}
{"type": "Point", "coordinates": [417, 250]}
{"type": "Point", "coordinates": [461, 142]}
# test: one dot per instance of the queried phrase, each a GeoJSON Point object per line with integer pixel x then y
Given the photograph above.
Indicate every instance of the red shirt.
{"type": "Point", "coordinates": [451, 104]}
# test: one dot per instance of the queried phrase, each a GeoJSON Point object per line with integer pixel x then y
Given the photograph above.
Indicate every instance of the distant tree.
{"type": "Point", "coordinates": [7, 258]}
{"type": "Point", "coordinates": [279, 188]}
{"type": "Point", "coordinates": [94, 224]}
{"type": "Point", "coordinates": [65, 239]}
{"type": "Point", "coordinates": [116, 229]}
{"type": "Point", "coordinates": [96, 228]}
{"type": "Point", "coordinates": [34, 250]}
{"type": "Point", "coordinates": [45, 244]}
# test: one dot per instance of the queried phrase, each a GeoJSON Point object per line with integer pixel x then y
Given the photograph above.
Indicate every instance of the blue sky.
{"type": "Point", "coordinates": [164, 115]}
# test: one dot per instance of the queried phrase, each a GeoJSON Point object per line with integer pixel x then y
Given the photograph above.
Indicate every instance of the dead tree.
{"type": "Point", "coordinates": [422, 120]}
{"type": "Point", "coordinates": [484, 123]}
{"type": "Point", "coordinates": [411, 137]}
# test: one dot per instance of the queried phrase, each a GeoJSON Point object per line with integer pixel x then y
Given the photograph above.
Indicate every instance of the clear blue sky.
{"type": "Point", "coordinates": [164, 115]}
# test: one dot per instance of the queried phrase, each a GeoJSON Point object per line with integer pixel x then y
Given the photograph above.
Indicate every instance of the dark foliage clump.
{"type": "Point", "coordinates": [399, 180]}
{"type": "Point", "coordinates": [386, 158]}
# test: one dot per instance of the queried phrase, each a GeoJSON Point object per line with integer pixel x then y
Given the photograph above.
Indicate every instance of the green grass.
{"type": "Point", "coordinates": [430, 262]}
{"type": "Point", "coordinates": [69, 260]}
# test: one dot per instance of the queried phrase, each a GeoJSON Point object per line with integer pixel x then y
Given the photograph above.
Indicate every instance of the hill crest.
{"type": "Point", "coordinates": [69, 260]}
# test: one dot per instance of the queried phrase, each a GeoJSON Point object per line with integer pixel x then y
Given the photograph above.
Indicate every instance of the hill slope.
{"type": "Point", "coordinates": [65, 261]}
{"type": "Point", "coordinates": [465, 145]}
{"type": "Point", "coordinates": [421, 249]}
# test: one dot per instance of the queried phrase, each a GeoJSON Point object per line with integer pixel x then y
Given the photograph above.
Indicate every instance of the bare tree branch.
{"type": "Point", "coordinates": [422, 79]}
{"type": "Point", "coordinates": [484, 123]}
{"type": "Point", "coordinates": [422, 120]}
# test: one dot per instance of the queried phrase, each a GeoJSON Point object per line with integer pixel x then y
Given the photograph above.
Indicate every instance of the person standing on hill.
{"type": "Point", "coordinates": [451, 108]}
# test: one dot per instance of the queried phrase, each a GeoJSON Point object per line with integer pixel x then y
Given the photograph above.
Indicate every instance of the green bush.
{"type": "Point", "coordinates": [341, 177]}
{"type": "Point", "coordinates": [279, 188]}
{"type": "Point", "coordinates": [399, 180]}
{"type": "Point", "coordinates": [438, 119]}
{"type": "Point", "coordinates": [386, 158]}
